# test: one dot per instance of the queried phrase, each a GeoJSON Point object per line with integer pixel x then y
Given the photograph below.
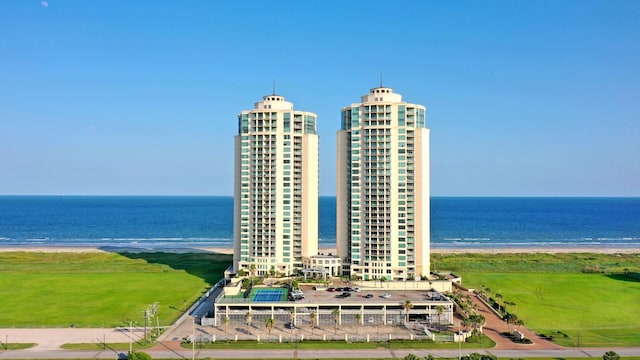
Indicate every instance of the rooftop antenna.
{"type": "Point", "coordinates": [380, 79]}
{"type": "Point", "coordinates": [274, 86]}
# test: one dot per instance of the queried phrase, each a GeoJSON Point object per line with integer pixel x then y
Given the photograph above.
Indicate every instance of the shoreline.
{"type": "Point", "coordinates": [321, 251]}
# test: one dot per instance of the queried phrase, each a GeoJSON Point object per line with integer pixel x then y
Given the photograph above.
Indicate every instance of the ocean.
{"type": "Point", "coordinates": [156, 222]}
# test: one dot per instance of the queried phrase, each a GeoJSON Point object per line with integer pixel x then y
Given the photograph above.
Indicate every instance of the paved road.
{"type": "Point", "coordinates": [312, 354]}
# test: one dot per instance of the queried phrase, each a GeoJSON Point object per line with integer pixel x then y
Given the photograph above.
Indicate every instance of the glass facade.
{"type": "Point", "coordinates": [380, 173]}
{"type": "Point", "coordinates": [270, 187]}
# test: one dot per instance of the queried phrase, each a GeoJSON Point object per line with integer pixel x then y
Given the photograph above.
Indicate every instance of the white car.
{"type": "Point", "coordinates": [356, 289]}
{"type": "Point", "coordinates": [386, 295]}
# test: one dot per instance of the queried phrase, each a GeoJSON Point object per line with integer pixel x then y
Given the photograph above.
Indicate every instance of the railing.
{"type": "Point", "coordinates": [203, 339]}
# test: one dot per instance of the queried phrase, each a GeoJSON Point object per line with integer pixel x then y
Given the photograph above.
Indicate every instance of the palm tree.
{"type": "Point", "coordinates": [407, 307]}
{"type": "Point", "coordinates": [358, 317]}
{"type": "Point", "coordinates": [252, 272]}
{"type": "Point", "coordinates": [313, 316]}
{"type": "Point", "coordinates": [248, 317]}
{"type": "Point", "coordinates": [466, 323]}
{"type": "Point", "coordinates": [270, 323]}
{"type": "Point", "coordinates": [510, 319]}
{"type": "Point", "coordinates": [440, 311]}
{"type": "Point", "coordinates": [477, 321]}
{"type": "Point", "coordinates": [226, 322]}
{"type": "Point", "coordinates": [505, 304]}
{"type": "Point", "coordinates": [336, 317]}
{"type": "Point", "coordinates": [292, 317]}
{"type": "Point", "coordinates": [474, 307]}
{"type": "Point", "coordinates": [499, 301]}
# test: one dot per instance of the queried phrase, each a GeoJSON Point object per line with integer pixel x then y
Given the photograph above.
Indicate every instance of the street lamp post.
{"type": "Point", "coordinates": [193, 341]}
{"type": "Point", "coordinates": [459, 342]}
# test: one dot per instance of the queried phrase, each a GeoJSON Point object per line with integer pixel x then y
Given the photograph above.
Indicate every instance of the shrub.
{"type": "Point", "coordinates": [610, 355]}
{"type": "Point", "coordinates": [477, 356]}
{"type": "Point", "coordinates": [139, 355]}
{"type": "Point", "coordinates": [592, 269]}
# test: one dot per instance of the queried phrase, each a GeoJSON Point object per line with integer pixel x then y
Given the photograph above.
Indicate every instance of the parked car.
{"type": "Point", "coordinates": [289, 325]}
{"type": "Point", "coordinates": [331, 289]}
{"type": "Point", "coordinates": [295, 297]}
{"type": "Point", "coordinates": [368, 296]}
{"type": "Point", "coordinates": [356, 289]}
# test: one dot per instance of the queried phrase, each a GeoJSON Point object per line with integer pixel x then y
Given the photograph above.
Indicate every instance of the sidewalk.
{"type": "Point", "coordinates": [52, 339]}
{"type": "Point", "coordinates": [495, 326]}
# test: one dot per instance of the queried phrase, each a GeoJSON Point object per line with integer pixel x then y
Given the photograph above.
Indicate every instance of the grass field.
{"type": "Point", "coordinates": [554, 297]}
{"type": "Point", "coordinates": [101, 289]}
{"type": "Point", "coordinates": [552, 294]}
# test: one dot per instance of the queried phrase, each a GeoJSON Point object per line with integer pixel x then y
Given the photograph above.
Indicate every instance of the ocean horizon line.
{"type": "Point", "coordinates": [456, 222]}
{"type": "Point", "coordinates": [333, 196]}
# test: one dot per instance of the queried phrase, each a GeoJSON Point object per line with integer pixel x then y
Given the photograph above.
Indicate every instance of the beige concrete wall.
{"type": "Point", "coordinates": [342, 235]}
{"type": "Point", "coordinates": [237, 143]}
{"type": "Point", "coordinates": [438, 285]}
{"type": "Point", "coordinates": [310, 195]}
{"type": "Point", "coordinates": [423, 203]}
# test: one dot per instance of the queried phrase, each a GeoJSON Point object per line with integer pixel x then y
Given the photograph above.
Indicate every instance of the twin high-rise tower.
{"type": "Point", "coordinates": [383, 212]}
{"type": "Point", "coordinates": [276, 188]}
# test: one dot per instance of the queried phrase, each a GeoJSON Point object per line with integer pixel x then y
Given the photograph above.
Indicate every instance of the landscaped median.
{"type": "Point", "coordinates": [16, 346]}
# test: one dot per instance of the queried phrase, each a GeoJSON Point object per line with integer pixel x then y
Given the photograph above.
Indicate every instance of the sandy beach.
{"type": "Point", "coordinates": [323, 251]}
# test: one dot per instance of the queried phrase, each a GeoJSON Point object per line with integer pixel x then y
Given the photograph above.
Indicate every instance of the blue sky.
{"type": "Point", "coordinates": [529, 98]}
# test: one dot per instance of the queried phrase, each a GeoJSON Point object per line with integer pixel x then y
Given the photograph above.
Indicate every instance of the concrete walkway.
{"type": "Point", "coordinates": [495, 326]}
{"type": "Point", "coordinates": [52, 339]}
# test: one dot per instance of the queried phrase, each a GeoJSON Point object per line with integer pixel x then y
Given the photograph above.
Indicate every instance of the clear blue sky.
{"type": "Point", "coordinates": [537, 98]}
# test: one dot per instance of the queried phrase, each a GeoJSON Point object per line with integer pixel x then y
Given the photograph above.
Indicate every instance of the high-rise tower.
{"type": "Point", "coordinates": [276, 188]}
{"type": "Point", "coordinates": [383, 197]}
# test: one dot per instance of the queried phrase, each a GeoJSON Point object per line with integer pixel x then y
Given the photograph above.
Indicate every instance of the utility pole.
{"type": "Point", "coordinates": [193, 341]}
{"type": "Point", "coordinates": [459, 342]}
{"type": "Point", "coordinates": [145, 314]}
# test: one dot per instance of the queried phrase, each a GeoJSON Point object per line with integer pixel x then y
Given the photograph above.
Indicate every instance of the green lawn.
{"type": "Point", "coordinates": [554, 297]}
{"type": "Point", "coordinates": [16, 346]}
{"type": "Point", "coordinates": [101, 289]}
